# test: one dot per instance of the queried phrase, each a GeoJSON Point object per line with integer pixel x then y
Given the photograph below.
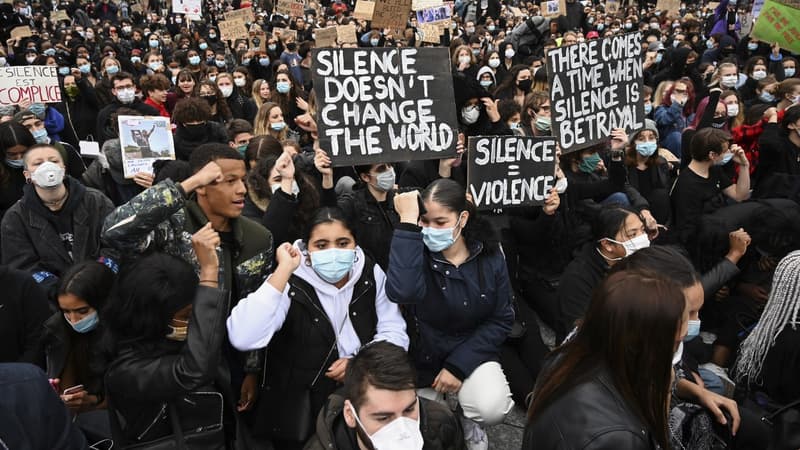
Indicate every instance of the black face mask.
{"type": "Point", "coordinates": [211, 99]}
{"type": "Point", "coordinates": [195, 132]}
{"type": "Point", "coordinates": [291, 46]}
{"type": "Point", "coordinates": [719, 122]}
{"type": "Point", "coordinates": [524, 85]}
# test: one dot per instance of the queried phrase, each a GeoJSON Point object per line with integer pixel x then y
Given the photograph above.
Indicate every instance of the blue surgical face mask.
{"type": "Point", "coordinates": [659, 57]}
{"type": "Point", "coordinates": [63, 71]}
{"type": "Point", "coordinates": [278, 126]}
{"type": "Point", "coordinates": [15, 163]}
{"type": "Point", "coordinates": [333, 264]}
{"type": "Point", "coordinates": [726, 158]}
{"type": "Point", "coordinates": [283, 86]}
{"type": "Point", "coordinates": [203, 46]}
{"type": "Point", "coordinates": [86, 324]}
{"type": "Point", "coordinates": [38, 109]}
{"type": "Point", "coordinates": [263, 61]}
{"type": "Point", "coordinates": [41, 136]}
{"type": "Point", "coordinates": [766, 97]}
{"type": "Point", "coordinates": [136, 59]}
{"type": "Point", "coordinates": [374, 42]}
{"type": "Point", "coordinates": [693, 331]}
{"type": "Point", "coordinates": [710, 44]}
{"type": "Point", "coordinates": [112, 70]}
{"type": "Point", "coordinates": [648, 107]}
{"type": "Point", "coordinates": [440, 239]}
{"type": "Point", "coordinates": [153, 44]}
{"type": "Point", "coordinates": [752, 46]}
{"type": "Point", "coordinates": [50, 52]}
{"type": "Point", "coordinates": [194, 60]}
{"type": "Point", "coordinates": [85, 68]}
{"type": "Point", "coordinates": [789, 72]}
{"type": "Point", "coordinates": [646, 149]}
{"type": "Point", "coordinates": [486, 83]}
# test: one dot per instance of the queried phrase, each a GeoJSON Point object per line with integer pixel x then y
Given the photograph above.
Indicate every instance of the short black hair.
{"type": "Point", "coordinates": [150, 290]}
{"type": "Point", "coordinates": [211, 151]}
{"type": "Point", "coordinates": [382, 365]}
{"type": "Point", "coordinates": [238, 126]}
{"type": "Point", "coordinates": [327, 215]}
{"type": "Point", "coordinates": [666, 260]}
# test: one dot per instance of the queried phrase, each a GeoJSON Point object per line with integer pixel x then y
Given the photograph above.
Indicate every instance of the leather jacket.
{"type": "Point", "coordinates": [146, 376]}
{"type": "Point", "coordinates": [591, 415]}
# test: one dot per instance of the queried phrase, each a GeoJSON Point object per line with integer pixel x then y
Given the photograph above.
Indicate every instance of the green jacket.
{"type": "Point", "coordinates": [161, 218]}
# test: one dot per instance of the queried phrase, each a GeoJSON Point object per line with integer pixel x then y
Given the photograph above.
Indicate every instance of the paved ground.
{"type": "Point", "coordinates": [508, 435]}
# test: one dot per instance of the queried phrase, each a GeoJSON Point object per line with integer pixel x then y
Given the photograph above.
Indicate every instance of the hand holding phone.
{"type": "Point", "coordinates": [73, 390]}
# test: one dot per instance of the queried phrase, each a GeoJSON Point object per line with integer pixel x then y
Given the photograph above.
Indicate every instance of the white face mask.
{"type": "Point", "coordinates": [759, 75]}
{"type": "Point", "coordinates": [733, 110]}
{"type": "Point", "coordinates": [239, 82]}
{"type": "Point", "coordinates": [561, 185]}
{"type": "Point", "coordinates": [729, 81]}
{"type": "Point", "coordinates": [226, 91]}
{"type": "Point", "coordinates": [633, 245]}
{"type": "Point", "coordinates": [470, 114]}
{"type": "Point", "coordinates": [48, 175]}
{"type": "Point", "coordinates": [494, 63]}
{"type": "Point", "coordinates": [400, 434]}
{"type": "Point", "coordinates": [464, 59]}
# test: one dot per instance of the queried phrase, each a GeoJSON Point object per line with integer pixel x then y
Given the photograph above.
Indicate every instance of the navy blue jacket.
{"type": "Point", "coordinates": [463, 314]}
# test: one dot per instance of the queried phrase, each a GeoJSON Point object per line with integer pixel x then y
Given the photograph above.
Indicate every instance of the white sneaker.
{"type": "Point", "coordinates": [474, 435]}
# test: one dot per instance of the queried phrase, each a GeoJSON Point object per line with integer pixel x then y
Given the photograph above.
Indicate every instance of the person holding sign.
{"type": "Point", "coordinates": [648, 172]}
{"type": "Point", "coordinates": [453, 273]}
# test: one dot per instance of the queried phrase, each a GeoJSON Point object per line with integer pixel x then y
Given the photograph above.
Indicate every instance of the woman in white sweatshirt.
{"type": "Point", "coordinates": [323, 302]}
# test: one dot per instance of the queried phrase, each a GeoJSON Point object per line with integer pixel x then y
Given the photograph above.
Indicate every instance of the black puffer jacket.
{"type": "Point", "coordinates": [591, 415]}
{"type": "Point", "coordinates": [147, 376]}
{"type": "Point", "coordinates": [441, 430]}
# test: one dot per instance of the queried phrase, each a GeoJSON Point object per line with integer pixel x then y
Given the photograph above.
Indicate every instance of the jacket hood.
{"type": "Point", "coordinates": [307, 273]}
{"type": "Point", "coordinates": [486, 69]}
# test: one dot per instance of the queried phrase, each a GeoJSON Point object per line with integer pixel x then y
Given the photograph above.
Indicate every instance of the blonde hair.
{"type": "Point", "coordinates": [255, 93]}
{"type": "Point", "coordinates": [261, 123]}
{"type": "Point", "coordinates": [662, 87]}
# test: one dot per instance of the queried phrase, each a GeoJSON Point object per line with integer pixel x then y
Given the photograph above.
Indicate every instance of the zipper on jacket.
{"type": "Point", "coordinates": [153, 423]}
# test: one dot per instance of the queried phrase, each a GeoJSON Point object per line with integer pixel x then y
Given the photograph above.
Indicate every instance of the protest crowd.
{"type": "Point", "coordinates": [230, 224]}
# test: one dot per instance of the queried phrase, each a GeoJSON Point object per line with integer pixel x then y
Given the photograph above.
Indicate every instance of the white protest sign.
{"type": "Point", "coordinates": [188, 7]}
{"type": "Point", "coordinates": [144, 140]}
{"type": "Point", "coordinates": [36, 84]}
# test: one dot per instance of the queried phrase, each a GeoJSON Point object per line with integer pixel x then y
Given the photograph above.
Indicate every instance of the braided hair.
{"type": "Point", "coordinates": [783, 308]}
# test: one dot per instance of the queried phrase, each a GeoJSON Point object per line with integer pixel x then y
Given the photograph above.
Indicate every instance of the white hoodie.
{"type": "Point", "coordinates": [256, 318]}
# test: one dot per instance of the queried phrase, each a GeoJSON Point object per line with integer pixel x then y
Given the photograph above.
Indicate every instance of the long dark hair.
{"type": "Point", "coordinates": [91, 281]}
{"type": "Point", "coordinates": [611, 337]}
{"type": "Point", "coordinates": [222, 104]}
{"type": "Point", "coordinates": [452, 196]}
{"type": "Point", "coordinates": [149, 291]}
{"type": "Point", "coordinates": [285, 101]}
{"type": "Point", "coordinates": [510, 83]}
{"type": "Point", "coordinates": [309, 198]}
{"type": "Point", "coordinates": [12, 134]}
{"type": "Point", "coordinates": [327, 214]}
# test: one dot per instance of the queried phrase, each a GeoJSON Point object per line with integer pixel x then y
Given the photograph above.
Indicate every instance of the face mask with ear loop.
{"type": "Point", "coordinates": [631, 246]}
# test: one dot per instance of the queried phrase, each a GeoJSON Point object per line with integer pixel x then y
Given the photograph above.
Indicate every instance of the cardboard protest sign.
{"type": "Point", "coordinates": [516, 11]}
{"type": "Point", "coordinates": [418, 5]}
{"type": "Point", "coordinates": [325, 37]}
{"type": "Point", "coordinates": [384, 104]}
{"type": "Point", "coordinates": [21, 32]}
{"type": "Point", "coordinates": [595, 86]}
{"type": "Point", "coordinates": [346, 34]}
{"type": "Point", "coordinates": [258, 41]}
{"type": "Point", "coordinates": [668, 5]}
{"type": "Point", "coordinates": [291, 8]}
{"type": "Point", "coordinates": [36, 84]}
{"type": "Point", "coordinates": [244, 13]}
{"type": "Point", "coordinates": [553, 8]}
{"type": "Point", "coordinates": [437, 14]}
{"type": "Point", "coordinates": [612, 6]}
{"type": "Point", "coordinates": [364, 9]}
{"type": "Point", "coordinates": [230, 30]}
{"type": "Point", "coordinates": [391, 14]}
{"type": "Point", "coordinates": [144, 140]}
{"type": "Point", "coordinates": [509, 171]}
{"type": "Point", "coordinates": [59, 15]}
{"type": "Point", "coordinates": [430, 33]}
{"type": "Point", "coordinates": [137, 8]}
{"type": "Point", "coordinates": [779, 22]}
{"type": "Point", "coordinates": [192, 8]}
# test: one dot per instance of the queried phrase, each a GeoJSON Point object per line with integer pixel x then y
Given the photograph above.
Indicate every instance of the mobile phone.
{"type": "Point", "coordinates": [73, 390]}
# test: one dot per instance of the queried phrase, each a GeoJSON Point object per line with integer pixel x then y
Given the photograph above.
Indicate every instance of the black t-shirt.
{"type": "Point", "coordinates": [645, 181]}
{"type": "Point", "coordinates": [694, 196]}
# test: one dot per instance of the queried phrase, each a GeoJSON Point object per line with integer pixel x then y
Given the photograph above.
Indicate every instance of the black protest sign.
{"type": "Point", "coordinates": [595, 86]}
{"type": "Point", "coordinates": [384, 104]}
{"type": "Point", "coordinates": [507, 171]}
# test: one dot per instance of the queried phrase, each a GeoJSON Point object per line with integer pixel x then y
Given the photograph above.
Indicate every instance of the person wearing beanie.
{"type": "Point", "coordinates": [648, 172]}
